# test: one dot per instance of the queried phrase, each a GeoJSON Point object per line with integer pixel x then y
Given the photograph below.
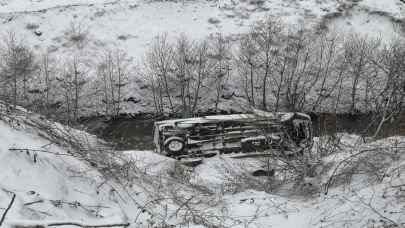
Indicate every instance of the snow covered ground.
{"type": "Point", "coordinates": [47, 180]}
{"type": "Point", "coordinates": [55, 181]}
{"type": "Point", "coordinates": [132, 25]}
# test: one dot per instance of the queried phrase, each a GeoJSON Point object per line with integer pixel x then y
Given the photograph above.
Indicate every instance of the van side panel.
{"type": "Point", "coordinates": [235, 134]}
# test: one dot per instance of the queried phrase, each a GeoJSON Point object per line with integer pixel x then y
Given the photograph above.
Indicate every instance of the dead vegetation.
{"type": "Point", "coordinates": [269, 68]}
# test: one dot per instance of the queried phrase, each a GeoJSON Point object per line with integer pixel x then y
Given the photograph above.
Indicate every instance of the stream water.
{"type": "Point", "coordinates": [130, 133]}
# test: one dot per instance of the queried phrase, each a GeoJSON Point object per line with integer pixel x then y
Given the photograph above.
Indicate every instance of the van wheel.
{"type": "Point", "coordinates": [174, 145]}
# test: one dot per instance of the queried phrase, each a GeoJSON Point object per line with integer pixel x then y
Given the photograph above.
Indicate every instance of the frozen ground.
{"type": "Point", "coordinates": [54, 182]}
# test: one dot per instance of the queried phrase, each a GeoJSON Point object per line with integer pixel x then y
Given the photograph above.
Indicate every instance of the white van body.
{"type": "Point", "coordinates": [237, 133]}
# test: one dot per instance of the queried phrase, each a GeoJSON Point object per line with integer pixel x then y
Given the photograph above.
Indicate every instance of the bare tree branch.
{"type": "Point", "coordinates": [3, 217]}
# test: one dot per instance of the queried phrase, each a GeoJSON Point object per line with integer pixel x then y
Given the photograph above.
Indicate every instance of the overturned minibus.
{"type": "Point", "coordinates": [236, 134]}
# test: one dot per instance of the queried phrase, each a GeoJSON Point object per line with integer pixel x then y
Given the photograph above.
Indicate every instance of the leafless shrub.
{"type": "Point", "coordinates": [100, 13]}
{"type": "Point", "coordinates": [123, 37]}
{"type": "Point", "coordinates": [31, 26]}
{"type": "Point", "coordinates": [213, 21]}
{"type": "Point", "coordinates": [235, 181]}
{"type": "Point", "coordinates": [77, 34]}
{"type": "Point", "coordinates": [328, 144]}
{"type": "Point", "coordinates": [372, 161]}
{"type": "Point", "coordinates": [181, 172]}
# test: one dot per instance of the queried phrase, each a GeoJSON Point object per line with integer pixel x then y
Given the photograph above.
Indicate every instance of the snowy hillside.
{"type": "Point", "coordinates": [64, 176]}
{"type": "Point", "coordinates": [49, 186]}
{"type": "Point", "coordinates": [49, 182]}
{"type": "Point", "coordinates": [132, 25]}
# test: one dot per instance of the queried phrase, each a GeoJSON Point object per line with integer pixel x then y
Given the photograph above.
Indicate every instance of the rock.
{"type": "Point", "coordinates": [133, 100]}
{"type": "Point", "coordinates": [261, 173]}
{"type": "Point", "coordinates": [143, 87]}
{"type": "Point", "coordinates": [38, 33]}
{"type": "Point", "coordinates": [192, 162]}
{"type": "Point", "coordinates": [228, 95]}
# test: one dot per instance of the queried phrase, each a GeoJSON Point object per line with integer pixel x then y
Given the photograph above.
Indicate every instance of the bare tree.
{"type": "Point", "coordinates": [66, 85]}
{"type": "Point", "coordinates": [112, 72]}
{"type": "Point", "coordinates": [266, 36]}
{"type": "Point", "coordinates": [221, 64]}
{"type": "Point", "coordinates": [183, 70]}
{"type": "Point", "coordinates": [159, 64]}
{"type": "Point", "coordinates": [122, 62]}
{"type": "Point", "coordinates": [326, 73]}
{"type": "Point", "coordinates": [17, 62]}
{"type": "Point", "coordinates": [246, 62]}
{"type": "Point", "coordinates": [357, 50]}
{"type": "Point", "coordinates": [389, 102]}
{"type": "Point", "coordinates": [47, 72]}
{"type": "Point", "coordinates": [191, 69]}
{"type": "Point", "coordinates": [202, 73]}
{"type": "Point", "coordinates": [72, 80]}
{"type": "Point", "coordinates": [178, 72]}
{"type": "Point", "coordinates": [299, 81]}
{"type": "Point", "coordinates": [76, 85]}
{"type": "Point", "coordinates": [104, 70]}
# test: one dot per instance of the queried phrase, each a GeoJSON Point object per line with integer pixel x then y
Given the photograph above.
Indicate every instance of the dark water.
{"type": "Point", "coordinates": [125, 133]}
{"type": "Point", "coordinates": [361, 124]}
{"type": "Point", "coordinates": [136, 133]}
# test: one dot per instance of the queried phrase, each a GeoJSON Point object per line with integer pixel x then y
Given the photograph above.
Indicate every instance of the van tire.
{"type": "Point", "coordinates": [174, 145]}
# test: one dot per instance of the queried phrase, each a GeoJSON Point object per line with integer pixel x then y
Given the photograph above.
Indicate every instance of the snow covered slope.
{"type": "Point", "coordinates": [132, 24]}
{"type": "Point", "coordinates": [49, 182]}
{"type": "Point", "coordinates": [354, 202]}
{"type": "Point", "coordinates": [57, 180]}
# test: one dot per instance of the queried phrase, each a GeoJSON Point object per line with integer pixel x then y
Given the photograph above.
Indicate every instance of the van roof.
{"type": "Point", "coordinates": [281, 116]}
